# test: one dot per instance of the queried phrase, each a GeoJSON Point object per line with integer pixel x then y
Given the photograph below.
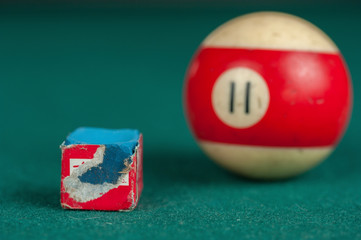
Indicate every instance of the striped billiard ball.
{"type": "Point", "coordinates": [268, 95]}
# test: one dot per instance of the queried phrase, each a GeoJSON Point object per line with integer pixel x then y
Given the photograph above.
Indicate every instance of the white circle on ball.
{"type": "Point", "coordinates": [240, 97]}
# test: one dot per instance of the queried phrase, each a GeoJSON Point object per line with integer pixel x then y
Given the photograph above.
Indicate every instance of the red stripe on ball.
{"type": "Point", "coordinates": [310, 97]}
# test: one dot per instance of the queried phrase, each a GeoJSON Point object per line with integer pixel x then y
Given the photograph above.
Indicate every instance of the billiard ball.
{"type": "Point", "coordinates": [268, 95]}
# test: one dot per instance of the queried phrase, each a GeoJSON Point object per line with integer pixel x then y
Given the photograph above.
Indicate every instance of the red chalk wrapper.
{"type": "Point", "coordinates": [102, 169]}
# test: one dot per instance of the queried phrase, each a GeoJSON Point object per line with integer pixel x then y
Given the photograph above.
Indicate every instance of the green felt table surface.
{"type": "Point", "coordinates": [122, 66]}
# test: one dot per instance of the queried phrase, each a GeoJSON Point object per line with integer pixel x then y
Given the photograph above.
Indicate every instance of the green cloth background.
{"type": "Point", "coordinates": [122, 66]}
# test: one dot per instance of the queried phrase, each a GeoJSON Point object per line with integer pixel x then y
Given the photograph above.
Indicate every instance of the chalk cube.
{"type": "Point", "coordinates": [102, 169]}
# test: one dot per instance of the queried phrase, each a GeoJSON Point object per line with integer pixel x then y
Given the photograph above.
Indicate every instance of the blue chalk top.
{"type": "Point", "coordinates": [101, 136]}
{"type": "Point", "coordinates": [119, 144]}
